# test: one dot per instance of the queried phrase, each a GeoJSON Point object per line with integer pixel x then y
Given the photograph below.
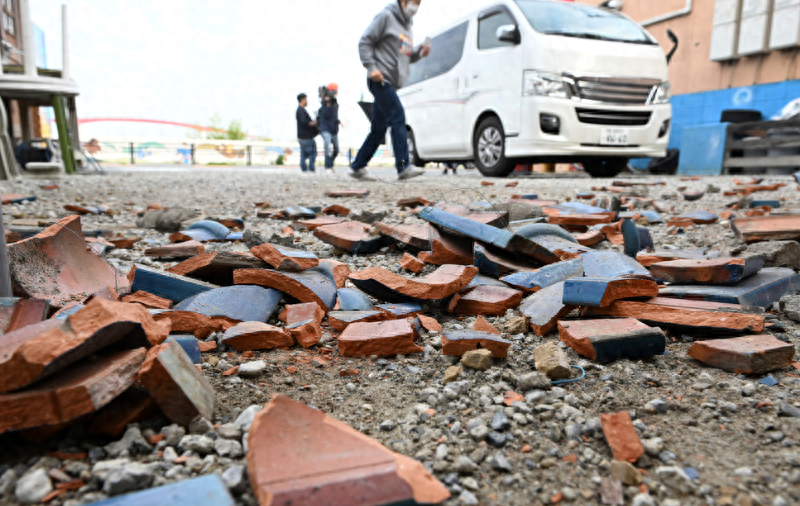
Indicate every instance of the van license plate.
{"type": "Point", "coordinates": [614, 137]}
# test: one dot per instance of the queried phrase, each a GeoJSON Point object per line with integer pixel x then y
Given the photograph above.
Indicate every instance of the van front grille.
{"type": "Point", "coordinates": [617, 118]}
{"type": "Point", "coordinates": [611, 90]}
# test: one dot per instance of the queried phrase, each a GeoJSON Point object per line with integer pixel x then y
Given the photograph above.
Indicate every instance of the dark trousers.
{"type": "Point", "coordinates": [308, 155]}
{"type": "Point", "coordinates": [387, 112]}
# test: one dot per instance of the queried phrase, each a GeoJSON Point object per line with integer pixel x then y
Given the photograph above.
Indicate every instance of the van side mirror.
{"type": "Point", "coordinates": [675, 41]}
{"type": "Point", "coordinates": [509, 33]}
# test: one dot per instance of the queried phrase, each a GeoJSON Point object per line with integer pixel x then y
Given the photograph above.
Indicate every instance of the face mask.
{"type": "Point", "coordinates": [411, 9]}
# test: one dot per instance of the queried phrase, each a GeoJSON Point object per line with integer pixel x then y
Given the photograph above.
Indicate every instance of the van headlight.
{"type": "Point", "coordinates": [543, 84]}
{"type": "Point", "coordinates": [663, 93]}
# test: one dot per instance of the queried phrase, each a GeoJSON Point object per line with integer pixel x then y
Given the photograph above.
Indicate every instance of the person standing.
{"type": "Point", "coordinates": [387, 51]}
{"type": "Point", "coordinates": [306, 132]}
{"type": "Point", "coordinates": [329, 125]}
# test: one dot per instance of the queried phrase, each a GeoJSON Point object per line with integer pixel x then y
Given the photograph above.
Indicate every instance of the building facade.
{"type": "Point", "coordinates": [732, 54]}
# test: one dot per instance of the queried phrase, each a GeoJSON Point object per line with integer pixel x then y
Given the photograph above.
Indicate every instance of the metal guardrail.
{"type": "Point", "coordinates": [757, 136]}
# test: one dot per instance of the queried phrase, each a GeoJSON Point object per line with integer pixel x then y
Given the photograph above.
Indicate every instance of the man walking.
{"type": "Point", "coordinates": [387, 51]}
{"type": "Point", "coordinates": [306, 131]}
{"type": "Point", "coordinates": [329, 125]}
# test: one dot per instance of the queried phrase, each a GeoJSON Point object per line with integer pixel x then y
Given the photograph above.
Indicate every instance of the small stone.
{"type": "Point", "coordinates": [500, 421]}
{"type": "Point", "coordinates": [533, 381]}
{"type": "Point", "coordinates": [675, 478]}
{"type": "Point", "coordinates": [496, 439]}
{"type": "Point", "coordinates": [235, 478]}
{"type": "Point", "coordinates": [200, 425]}
{"type": "Point", "coordinates": [748, 390]}
{"type": "Point", "coordinates": [32, 487]}
{"type": "Point", "coordinates": [196, 443]}
{"type": "Point", "coordinates": [464, 465]}
{"type": "Point", "coordinates": [169, 454]}
{"type": "Point", "coordinates": [252, 369]}
{"type": "Point", "coordinates": [451, 374]}
{"type": "Point", "coordinates": [229, 431]}
{"type": "Point", "coordinates": [173, 434]}
{"type": "Point", "coordinates": [468, 498]}
{"type": "Point", "coordinates": [442, 451]}
{"type": "Point", "coordinates": [786, 409]}
{"type": "Point", "coordinates": [244, 420]}
{"type": "Point", "coordinates": [228, 448]}
{"type": "Point", "coordinates": [387, 425]}
{"type": "Point", "coordinates": [477, 359]}
{"type": "Point", "coordinates": [656, 406]}
{"type": "Point", "coordinates": [653, 446]}
{"type": "Point", "coordinates": [479, 432]}
{"type": "Point", "coordinates": [626, 473]}
{"type": "Point", "coordinates": [132, 443]}
{"type": "Point", "coordinates": [517, 325]}
{"type": "Point", "coordinates": [552, 360]}
{"type": "Point", "coordinates": [643, 500]}
{"type": "Point", "coordinates": [8, 481]}
{"type": "Point", "coordinates": [499, 462]}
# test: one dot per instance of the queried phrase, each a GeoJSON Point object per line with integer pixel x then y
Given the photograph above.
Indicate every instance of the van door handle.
{"type": "Point", "coordinates": [475, 76]}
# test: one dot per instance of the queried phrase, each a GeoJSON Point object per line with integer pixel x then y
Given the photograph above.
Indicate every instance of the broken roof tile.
{"type": "Point", "coordinates": [400, 310]}
{"type": "Point", "coordinates": [336, 271]}
{"type": "Point", "coordinates": [165, 284]}
{"type": "Point", "coordinates": [761, 289]}
{"type": "Point", "coordinates": [351, 299]}
{"type": "Point", "coordinates": [498, 237]}
{"type": "Point", "coordinates": [411, 263]}
{"type": "Point", "coordinates": [339, 320]}
{"type": "Point", "coordinates": [590, 238]}
{"type": "Point", "coordinates": [322, 221]}
{"type": "Point", "coordinates": [19, 313]}
{"type": "Point", "coordinates": [544, 308]}
{"type": "Point", "coordinates": [681, 314]}
{"type": "Point", "coordinates": [384, 339]}
{"type": "Point", "coordinates": [198, 324]}
{"type": "Point", "coordinates": [206, 231]}
{"type": "Point", "coordinates": [482, 325]}
{"type": "Point", "coordinates": [147, 300]}
{"type": "Point", "coordinates": [716, 272]}
{"type": "Point", "coordinates": [611, 264]}
{"type": "Point", "coordinates": [81, 389]}
{"type": "Point", "coordinates": [319, 459]}
{"type": "Point", "coordinates": [745, 355]}
{"type": "Point", "coordinates": [56, 265]}
{"type": "Point", "coordinates": [416, 236]}
{"type": "Point", "coordinates": [485, 300]}
{"type": "Point", "coordinates": [252, 336]}
{"type": "Point", "coordinates": [603, 291]}
{"type": "Point", "coordinates": [336, 209]}
{"type": "Point", "coordinates": [413, 203]}
{"type": "Point", "coordinates": [700, 217]}
{"type": "Point", "coordinates": [387, 286]}
{"type": "Point", "coordinates": [430, 324]}
{"type": "Point", "coordinates": [621, 436]}
{"type": "Point", "coordinates": [179, 250]}
{"type": "Point", "coordinates": [296, 313]}
{"type": "Point", "coordinates": [311, 285]}
{"type": "Point", "coordinates": [239, 303]}
{"type": "Point", "coordinates": [579, 222]}
{"type": "Point", "coordinates": [351, 236]}
{"type": "Point", "coordinates": [447, 249]}
{"type": "Point", "coordinates": [217, 266]}
{"type": "Point", "coordinates": [649, 258]}
{"type": "Point", "coordinates": [181, 391]}
{"type": "Point", "coordinates": [189, 344]}
{"type": "Point", "coordinates": [285, 259]}
{"type": "Point", "coordinates": [608, 340]}
{"type": "Point", "coordinates": [776, 227]}
{"type": "Point", "coordinates": [533, 281]}
{"type": "Point", "coordinates": [133, 406]}
{"type": "Point", "coordinates": [496, 264]}
{"type": "Point", "coordinates": [307, 333]}
{"type": "Point", "coordinates": [456, 343]}
{"type": "Point", "coordinates": [44, 348]}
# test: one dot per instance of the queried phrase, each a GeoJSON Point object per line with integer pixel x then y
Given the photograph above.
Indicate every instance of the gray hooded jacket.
{"type": "Point", "coordinates": [388, 45]}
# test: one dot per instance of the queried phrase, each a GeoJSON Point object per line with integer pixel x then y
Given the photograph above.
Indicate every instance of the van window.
{"type": "Point", "coordinates": [446, 52]}
{"type": "Point", "coordinates": [487, 30]}
{"type": "Point", "coordinates": [582, 21]}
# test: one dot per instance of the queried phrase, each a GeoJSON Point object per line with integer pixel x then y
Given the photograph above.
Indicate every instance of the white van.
{"type": "Point", "coordinates": [539, 81]}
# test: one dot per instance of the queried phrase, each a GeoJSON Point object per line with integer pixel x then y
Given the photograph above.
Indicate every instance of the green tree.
{"type": "Point", "coordinates": [235, 132]}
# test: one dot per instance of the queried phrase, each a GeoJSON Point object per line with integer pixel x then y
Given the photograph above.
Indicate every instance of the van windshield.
{"type": "Point", "coordinates": [583, 21]}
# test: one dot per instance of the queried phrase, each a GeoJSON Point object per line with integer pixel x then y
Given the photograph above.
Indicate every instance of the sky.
{"type": "Point", "coordinates": [186, 60]}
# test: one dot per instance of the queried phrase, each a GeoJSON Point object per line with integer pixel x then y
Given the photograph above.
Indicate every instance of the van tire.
{"type": "Point", "coordinates": [491, 135]}
{"type": "Point", "coordinates": [412, 150]}
{"type": "Point", "coordinates": [608, 167]}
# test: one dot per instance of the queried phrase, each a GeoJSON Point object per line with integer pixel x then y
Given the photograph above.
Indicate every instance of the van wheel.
{"type": "Point", "coordinates": [609, 167]}
{"type": "Point", "coordinates": [489, 147]}
{"type": "Point", "coordinates": [412, 150]}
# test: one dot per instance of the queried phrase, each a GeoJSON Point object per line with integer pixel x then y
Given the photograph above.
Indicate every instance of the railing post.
{"type": "Point", "coordinates": [193, 152]}
{"type": "Point", "coordinates": [133, 160]}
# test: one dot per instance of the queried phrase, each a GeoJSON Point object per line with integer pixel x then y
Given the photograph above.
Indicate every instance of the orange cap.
{"type": "Point", "coordinates": [333, 87]}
